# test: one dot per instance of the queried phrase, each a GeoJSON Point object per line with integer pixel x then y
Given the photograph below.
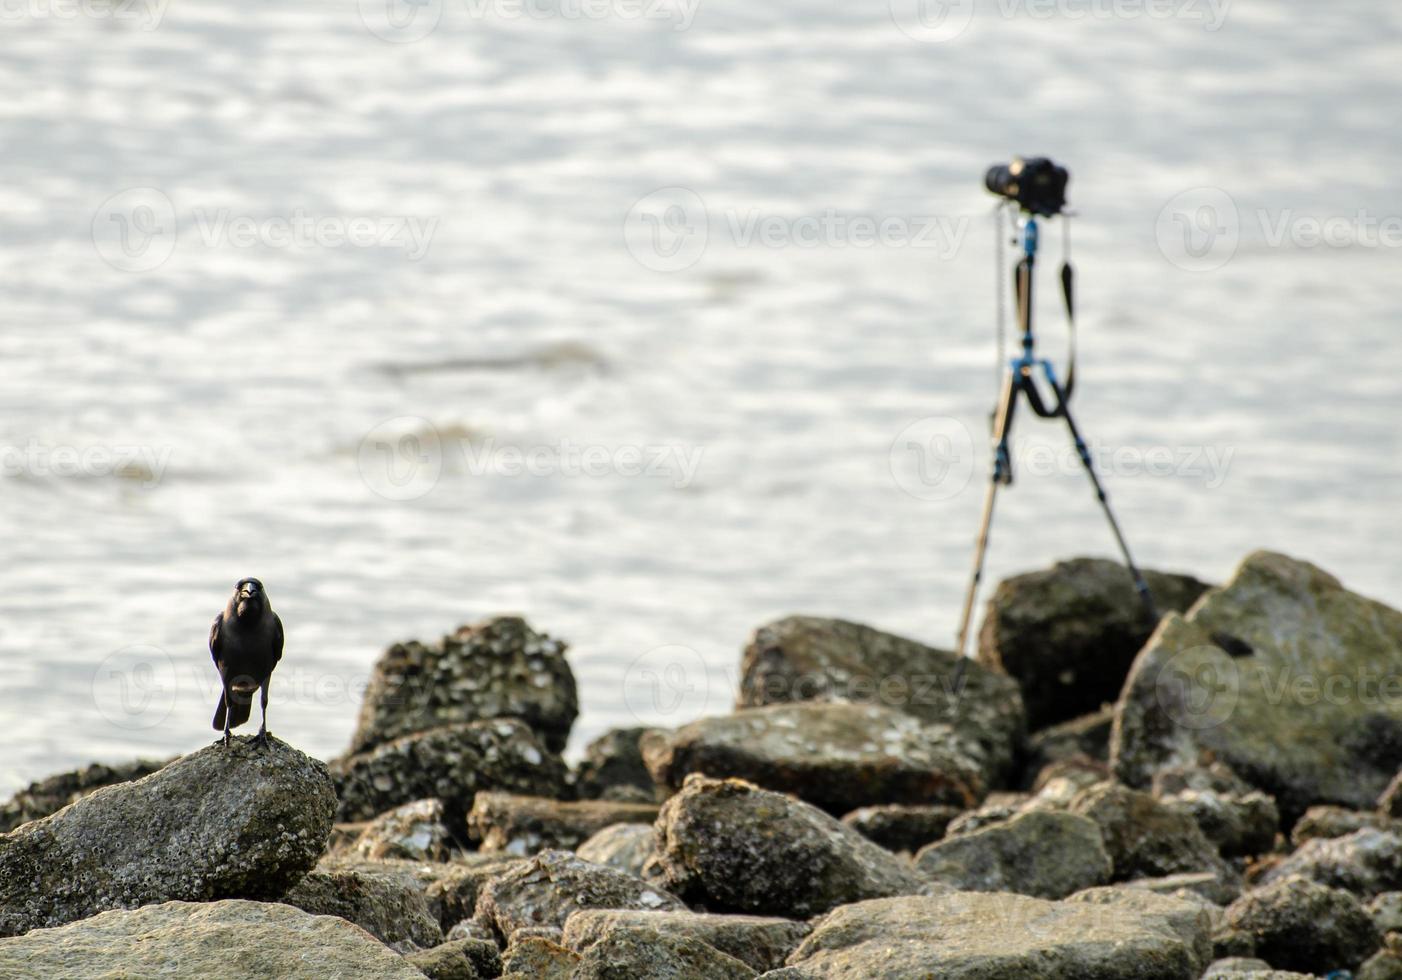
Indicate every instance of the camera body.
{"type": "Point", "coordinates": [1037, 185]}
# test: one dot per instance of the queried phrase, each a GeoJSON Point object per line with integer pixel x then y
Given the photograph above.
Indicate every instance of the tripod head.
{"type": "Point", "coordinates": [1036, 185]}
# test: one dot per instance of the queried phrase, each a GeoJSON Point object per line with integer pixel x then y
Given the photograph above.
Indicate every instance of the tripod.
{"type": "Point", "coordinates": [1018, 380]}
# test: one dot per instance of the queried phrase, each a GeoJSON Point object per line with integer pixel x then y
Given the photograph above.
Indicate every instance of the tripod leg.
{"type": "Point", "coordinates": [1002, 473]}
{"type": "Point", "coordinates": [1141, 586]}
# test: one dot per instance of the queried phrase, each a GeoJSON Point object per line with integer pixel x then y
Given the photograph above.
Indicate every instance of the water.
{"type": "Point", "coordinates": [245, 389]}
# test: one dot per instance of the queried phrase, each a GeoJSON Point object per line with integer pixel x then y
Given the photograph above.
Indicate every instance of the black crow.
{"type": "Point", "coordinates": [246, 644]}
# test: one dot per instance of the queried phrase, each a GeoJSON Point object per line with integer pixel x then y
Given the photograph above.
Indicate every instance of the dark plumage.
{"type": "Point", "coordinates": [245, 641]}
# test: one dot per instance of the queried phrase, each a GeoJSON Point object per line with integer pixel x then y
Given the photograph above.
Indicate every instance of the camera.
{"type": "Point", "coordinates": [1037, 185]}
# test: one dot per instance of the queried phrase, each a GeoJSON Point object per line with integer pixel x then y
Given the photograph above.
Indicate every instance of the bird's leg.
{"type": "Point", "coordinates": [261, 739]}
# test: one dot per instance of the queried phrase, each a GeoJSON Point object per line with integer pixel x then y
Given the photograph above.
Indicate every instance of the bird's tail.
{"type": "Point", "coordinates": [238, 712]}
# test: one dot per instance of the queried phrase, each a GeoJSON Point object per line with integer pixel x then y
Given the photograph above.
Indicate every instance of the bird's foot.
{"type": "Point", "coordinates": [260, 741]}
{"type": "Point", "coordinates": [228, 738]}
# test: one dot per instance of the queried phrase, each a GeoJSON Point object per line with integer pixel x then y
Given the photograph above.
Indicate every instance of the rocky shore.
{"type": "Point", "coordinates": [1091, 798]}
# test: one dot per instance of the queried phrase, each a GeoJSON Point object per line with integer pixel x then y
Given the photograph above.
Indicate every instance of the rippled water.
{"type": "Point", "coordinates": [513, 316]}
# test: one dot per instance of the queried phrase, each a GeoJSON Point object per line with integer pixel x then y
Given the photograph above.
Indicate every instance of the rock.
{"type": "Point", "coordinates": [219, 823]}
{"type": "Point", "coordinates": [1146, 839]}
{"type": "Point", "coordinates": [1079, 771]}
{"type": "Point", "coordinates": [1385, 965]}
{"type": "Point", "coordinates": [627, 952]}
{"type": "Point", "coordinates": [899, 827]}
{"type": "Point", "coordinates": [1297, 924]}
{"type": "Point", "coordinates": [760, 942]}
{"type": "Point", "coordinates": [1239, 825]}
{"type": "Point", "coordinates": [498, 668]}
{"type": "Point", "coordinates": [1367, 862]}
{"type": "Point", "coordinates": [1281, 675]}
{"type": "Point", "coordinates": [412, 832]}
{"type": "Point", "coordinates": [1339, 821]}
{"type": "Point", "coordinates": [1386, 912]}
{"type": "Point", "coordinates": [525, 825]}
{"type": "Point", "coordinates": [997, 808]}
{"type": "Point", "coordinates": [56, 792]}
{"type": "Point", "coordinates": [624, 846]}
{"type": "Point", "coordinates": [451, 764]}
{"type": "Point", "coordinates": [1048, 855]}
{"type": "Point", "coordinates": [471, 929]}
{"type": "Point", "coordinates": [449, 889]}
{"type": "Point", "coordinates": [835, 756]}
{"type": "Point", "coordinates": [388, 907]}
{"type": "Point", "coordinates": [462, 959]}
{"type": "Point", "coordinates": [1390, 802]}
{"type": "Point", "coordinates": [613, 767]}
{"type": "Point", "coordinates": [553, 884]}
{"type": "Point", "coordinates": [1188, 917]}
{"type": "Point", "coordinates": [231, 940]}
{"type": "Point", "coordinates": [804, 658]}
{"type": "Point", "coordinates": [733, 847]}
{"type": "Point", "coordinates": [1248, 968]}
{"type": "Point", "coordinates": [538, 959]}
{"type": "Point", "coordinates": [990, 936]}
{"type": "Point", "coordinates": [1069, 634]}
{"type": "Point", "coordinates": [1084, 737]}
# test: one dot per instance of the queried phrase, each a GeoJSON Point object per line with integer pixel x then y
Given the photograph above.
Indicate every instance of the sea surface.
{"type": "Point", "coordinates": [653, 321]}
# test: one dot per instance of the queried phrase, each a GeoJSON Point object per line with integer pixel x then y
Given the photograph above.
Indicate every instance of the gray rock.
{"type": "Point", "coordinates": [498, 668]}
{"type": "Point", "coordinates": [613, 767]}
{"type": "Point", "coordinates": [1238, 825]}
{"type": "Point", "coordinates": [1278, 674]}
{"type": "Point", "coordinates": [449, 889]}
{"type": "Point", "coordinates": [1146, 839]}
{"type": "Point", "coordinates": [56, 792]}
{"type": "Point", "coordinates": [804, 658]}
{"type": "Point", "coordinates": [1069, 634]}
{"type": "Point", "coordinates": [1386, 964]}
{"type": "Point", "coordinates": [545, 890]}
{"type": "Point", "coordinates": [461, 959]}
{"type": "Point", "coordinates": [1386, 912]}
{"type": "Point", "coordinates": [451, 764]}
{"type": "Point", "coordinates": [525, 825]}
{"type": "Point", "coordinates": [386, 906]}
{"type": "Point", "coordinates": [219, 823]}
{"type": "Point", "coordinates": [624, 846]}
{"type": "Point", "coordinates": [997, 808]}
{"type": "Point", "coordinates": [412, 832]}
{"type": "Point", "coordinates": [1367, 862]}
{"type": "Point", "coordinates": [761, 942]}
{"type": "Point", "coordinates": [1189, 917]}
{"type": "Point", "coordinates": [900, 827]}
{"type": "Point", "coordinates": [1297, 924]}
{"type": "Point", "coordinates": [1390, 802]}
{"type": "Point", "coordinates": [231, 940]}
{"type": "Point", "coordinates": [733, 847]}
{"type": "Point", "coordinates": [1339, 821]}
{"type": "Point", "coordinates": [533, 958]}
{"type": "Point", "coordinates": [835, 756]}
{"type": "Point", "coordinates": [471, 929]}
{"type": "Point", "coordinates": [990, 936]}
{"type": "Point", "coordinates": [1086, 736]}
{"type": "Point", "coordinates": [1248, 968]}
{"type": "Point", "coordinates": [1040, 853]}
{"type": "Point", "coordinates": [626, 952]}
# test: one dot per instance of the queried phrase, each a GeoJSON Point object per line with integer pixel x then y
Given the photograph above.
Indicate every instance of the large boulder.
{"type": "Point", "coordinates": [898, 827]}
{"type": "Point", "coordinates": [761, 942]}
{"type": "Point", "coordinates": [1282, 674]}
{"type": "Point", "coordinates": [231, 940]}
{"type": "Point", "coordinates": [835, 756]}
{"type": "Point", "coordinates": [545, 890]}
{"type": "Point", "coordinates": [56, 792]}
{"type": "Point", "coordinates": [991, 936]}
{"type": "Point", "coordinates": [1039, 853]}
{"type": "Point", "coordinates": [733, 847]}
{"type": "Point", "coordinates": [223, 822]}
{"type": "Point", "coordinates": [498, 668]}
{"type": "Point", "coordinates": [391, 909]}
{"type": "Point", "coordinates": [805, 658]}
{"type": "Point", "coordinates": [525, 825]}
{"type": "Point", "coordinates": [613, 767]}
{"type": "Point", "coordinates": [412, 832]}
{"type": "Point", "coordinates": [1297, 924]}
{"type": "Point", "coordinates": [625, 846]}
{"type": "Point", "coordinates": [1147, 839]}
{"type": "Point", "coordinates": [1367, 862]}
{"type": "Point", "coordinates": [629, 952]}
{"type": "Point", "coordinates": [452, 764]}
{"type": "Point", "coordinates": [1069, 634]}
{"type": "Point", "coordinates": [1186, 914]}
